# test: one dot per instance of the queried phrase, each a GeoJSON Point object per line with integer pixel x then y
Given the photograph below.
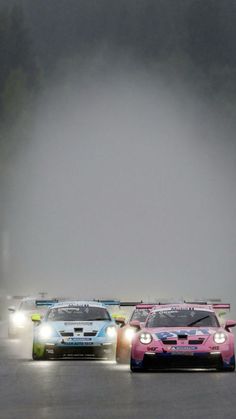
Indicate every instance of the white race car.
{"type": "Point", "coordinates": [75, 328]}
{"type": "Point", "coordinates": [19, 322]}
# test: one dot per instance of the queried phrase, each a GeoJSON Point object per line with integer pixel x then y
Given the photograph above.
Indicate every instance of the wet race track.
{"type": "Point", "coordinates": [101, 389]}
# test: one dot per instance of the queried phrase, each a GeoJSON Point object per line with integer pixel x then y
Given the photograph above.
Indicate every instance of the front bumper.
{"type": "Point", "coordinates": [169, 361]}
{"type": "Point", "coordinates": [81, 351]}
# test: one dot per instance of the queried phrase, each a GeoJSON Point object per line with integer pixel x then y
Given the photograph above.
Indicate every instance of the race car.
{"type": "Point", "coordinates": [75, 328]}
{"type": "Point", "coordinates": [119, 310]}
{"type": "Point", "coordinates": [183, 336]}
{"type": "Point", "coordinates": [126, 333]}
{"type": "Point", "coordinates": [19, 322]}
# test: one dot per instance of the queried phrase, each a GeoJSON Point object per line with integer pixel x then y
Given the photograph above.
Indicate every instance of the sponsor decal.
{"type": "Point", "coordinates": [190, 332]}
{"type": "Point", "coordinates": [77, 343]}
{"type": "Point", "coordinates": [78, 323]}
{"type": "Point", "coordinates": [183, 348]}
{"type": "Point", "coordinates": [76, 339]}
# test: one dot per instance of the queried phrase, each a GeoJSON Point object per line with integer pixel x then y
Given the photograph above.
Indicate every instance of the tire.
{"type": "Point", "coordinates": [135, 368]}
{"type": "Point", "coordinates": [231, 367]}
{"type": "Point", "coordinates": [35, 357]}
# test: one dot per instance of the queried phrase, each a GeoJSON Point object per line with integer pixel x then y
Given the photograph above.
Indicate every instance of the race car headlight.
{"type": "Point", "coordinates": [145, 338]}
{"type": "Point", "coordinates": [129, 334]}
{"type": "Point", "coordinates": [45, 332]}
{"type": "Point", "coordinates": [219, 337]}
{"type": "Point", "coordinates": [19, 319]}
{"type": "Point", "coordinates": [111, 331]}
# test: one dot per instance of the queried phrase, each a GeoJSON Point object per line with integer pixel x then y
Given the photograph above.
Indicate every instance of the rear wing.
{"type": "Point", "coordinates": [221, 306]}
{"type": "Point", "coordinates": [109, 302]}
{"type": "Point", "coordinates": [216, 304]}
{"type": "Point", "coordinates": [130, 303]}
{"type": "Point", "coordinates": [221, 309]}
{"type": "Point", "coordinates": [145, 306]}
{"type": "Point", "coordinates": [45, 303]}
{"type": "Point", "coordinates": [119, 303]}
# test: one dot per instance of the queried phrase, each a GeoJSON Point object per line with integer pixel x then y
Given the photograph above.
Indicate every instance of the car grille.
{"type": "Point", "coordinates": [190, 341]}
{"type": "Point", "coordinates": [90, 333]}
{"type": "Point", "coordinates": [169, 341]}
{"type": "Point", "coordinates": [196, 341]}
{"type": "Point", "coordinates": [79, 352]}
{"type": "Point", "coordinates": [168, 361]}
{"type": "Point", "coordinates": [67, 333]}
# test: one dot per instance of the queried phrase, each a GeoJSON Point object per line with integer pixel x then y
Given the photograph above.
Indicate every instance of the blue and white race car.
{"type": "Point", "coordinates": [74, 328]}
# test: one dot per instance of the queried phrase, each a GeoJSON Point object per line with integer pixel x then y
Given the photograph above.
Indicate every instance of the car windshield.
{"type": "Point", "coordinates": [140, 314]}
{"type": "Point", "coordinates": [27, 305]}
{"type": "Point", "coordinates": [182, 318]}
{"type": "Point", "coordinates": [78, 313]}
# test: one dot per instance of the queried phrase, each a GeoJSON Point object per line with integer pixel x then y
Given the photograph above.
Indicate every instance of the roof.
{"type": "Point", "coordinates": [74, 303]}
{"type": "Point", "coordinates": [143, 306]}
{"type": "Point", "coordinates": [183, 306]}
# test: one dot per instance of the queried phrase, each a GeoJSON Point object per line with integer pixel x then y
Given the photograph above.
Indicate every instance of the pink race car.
{"type": "Point", "coordinates": [180, 336]}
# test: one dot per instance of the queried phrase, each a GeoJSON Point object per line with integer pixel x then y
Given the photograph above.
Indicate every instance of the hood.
{"type": "Point", "coordinates": [182, 332]}
{"type": "Point", "coordinates": [79, 328]}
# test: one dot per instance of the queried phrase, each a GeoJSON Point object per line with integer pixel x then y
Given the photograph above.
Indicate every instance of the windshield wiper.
{"type": "Point", "coordinates": [98, 318]}
{"type": "Point", "coordinates": [199, 320]}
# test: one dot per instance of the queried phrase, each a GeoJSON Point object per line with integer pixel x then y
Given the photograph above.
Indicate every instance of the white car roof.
{"type": "Point", "coordinates": [78, 303]}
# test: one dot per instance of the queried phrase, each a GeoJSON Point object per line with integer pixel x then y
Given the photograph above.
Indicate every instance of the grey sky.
{"type": "Point", "coordinates": [127, 190]}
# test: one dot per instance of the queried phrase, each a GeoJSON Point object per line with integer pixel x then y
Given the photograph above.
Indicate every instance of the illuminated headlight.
{"type": "Point", "coordinates": [111, 331]}
{"type": "Point", "coordinates": [19, 319]}
{"type": "Point", "coordinates": [129, 334]}
{"type": "Point", "coordinates": [219, 337]}
{"type": "Point", "coordinates": [45, 332]}
{"type": "Point", "coordinates": [145, 338]}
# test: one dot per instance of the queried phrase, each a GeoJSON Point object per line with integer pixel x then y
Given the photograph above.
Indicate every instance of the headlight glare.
{"type": "Point", "coordinates": [129, 334]}
{"type": "Point", "coordinates": [111, 331]}
{"type": "Point", "coordinates": [19, 319]}
{"type": "Point", "coordinates": [219, 337]}
{"type": "Point", "coordinates": [45, 332]}
{"type": "Point", "coordinates": [145, 338]}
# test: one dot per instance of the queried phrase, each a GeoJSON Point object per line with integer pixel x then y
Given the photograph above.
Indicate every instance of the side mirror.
{"type": "Point", "coordinates": [12, 309]}
{"type": "Point", "coordinates": [136, 324]}
{"type": "Point", "coordinates": [120, 321]}
{"type": "Point", "coordinates": [229, 324]}
{"type": "Point", "coordinates": [36, 318]}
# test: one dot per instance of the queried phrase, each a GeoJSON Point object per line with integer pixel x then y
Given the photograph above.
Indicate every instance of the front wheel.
{"type": "Point", "coordinates": [38, 358]}
{"type": "Point", "coordinates": [134, 367]}
{"type": "Point", "coordinates": [230, 367]}
{"type": "Point", "coordinates": [38, 354]}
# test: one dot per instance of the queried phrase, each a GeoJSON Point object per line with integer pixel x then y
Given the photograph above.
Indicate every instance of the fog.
{"type": "Point", "coordinates": [126, 190]}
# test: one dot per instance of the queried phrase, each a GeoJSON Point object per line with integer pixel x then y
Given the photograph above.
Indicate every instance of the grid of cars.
{"type": "Point", "coordinates": [148, 336]}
